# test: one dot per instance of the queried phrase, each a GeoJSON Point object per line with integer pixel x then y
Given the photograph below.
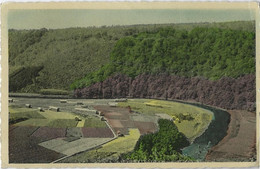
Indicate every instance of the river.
{"type": "Point", "coordinates": [216, 131]}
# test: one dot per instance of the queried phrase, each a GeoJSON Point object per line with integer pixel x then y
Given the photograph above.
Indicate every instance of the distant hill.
{"type": "Point", "coordinates": [58, 58]}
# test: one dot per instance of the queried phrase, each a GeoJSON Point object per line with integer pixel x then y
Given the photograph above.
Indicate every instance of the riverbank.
{"type": "Point", "coordinates": [215, 132]}
{"type": "Point", "coordinates": [239, 143]}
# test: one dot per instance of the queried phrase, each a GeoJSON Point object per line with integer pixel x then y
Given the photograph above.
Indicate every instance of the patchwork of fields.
{"type": "Point", "coordinates": [91, 130]}
{"type": "Point", "coordinates": [192, 121]}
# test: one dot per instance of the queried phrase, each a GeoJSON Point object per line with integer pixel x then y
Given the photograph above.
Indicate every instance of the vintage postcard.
{"type": "Point", "coordinates": [130, 84]}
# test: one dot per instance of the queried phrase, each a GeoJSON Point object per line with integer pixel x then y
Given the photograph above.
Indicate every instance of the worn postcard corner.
{"type": "Point", "coordinates": [130, 84]}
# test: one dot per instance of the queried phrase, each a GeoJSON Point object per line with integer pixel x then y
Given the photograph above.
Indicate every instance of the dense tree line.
{"type": "Point", "coordinates": [204, 52]}
{"type": "Point", "coordinates": [162, 146]}
{"type": "Point", "coordinates": [66, 55]}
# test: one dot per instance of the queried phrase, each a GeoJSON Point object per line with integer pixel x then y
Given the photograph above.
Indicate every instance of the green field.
{"type": "Point", "coordinates": [33, 117]}
{"type": "Point", "coordinates": [190, 120]}
{"type": "Point", "coordinates": [57, 115]}
{"type": "Point", "coordinates": [122, 144]}
{"type": "Point", "coordinates": [60, 123]}
{"type": "Point", "coordinates": [34, 122]}
{"type": "Point", "coordinates": [24, 113]}
{"type": "Point", "coordinates": [94, 122]}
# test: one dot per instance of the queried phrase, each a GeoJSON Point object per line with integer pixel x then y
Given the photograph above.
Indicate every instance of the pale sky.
{"type": "Point", "coordinates": [64, 18]}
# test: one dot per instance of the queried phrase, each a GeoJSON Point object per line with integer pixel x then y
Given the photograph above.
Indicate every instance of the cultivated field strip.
{"type": "Point", "coordinates": [70, 148]}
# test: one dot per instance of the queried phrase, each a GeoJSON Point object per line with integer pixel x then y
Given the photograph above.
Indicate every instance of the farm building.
{"type": "Point", "coordinates": [57, 109]}
{"type": "Point", "coordinates": [40, 109]}
{"type": "Point", "coordinates": [28, 105]}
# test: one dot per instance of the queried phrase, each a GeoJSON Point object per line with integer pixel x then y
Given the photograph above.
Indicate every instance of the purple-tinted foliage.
{"type": "Point", "coordinates": [227, 93]}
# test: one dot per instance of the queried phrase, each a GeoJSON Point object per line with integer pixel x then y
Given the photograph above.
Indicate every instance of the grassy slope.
{"type": "Point", "coordinates": [191, 129]}
{"type": "Point", "coordinates": [69, 54]}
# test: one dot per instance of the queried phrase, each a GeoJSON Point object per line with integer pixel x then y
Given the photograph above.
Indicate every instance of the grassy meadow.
{"type": "Point", "coordinates": [48, 118]}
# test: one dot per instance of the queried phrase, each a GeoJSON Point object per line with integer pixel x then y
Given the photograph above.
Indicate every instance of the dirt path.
{"type": "Point", "coordinates": [239, 144]}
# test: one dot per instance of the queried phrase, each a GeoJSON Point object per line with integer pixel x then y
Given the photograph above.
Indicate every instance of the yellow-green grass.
{"type": "Point", "coordinates": [191, 129]}
{"type": "Point", "coordinates": [24, 113]}
{"type": "Point", "coordinates": [34, 122]}
{"type": "Point", "coordinates": [81, 123]}
{"type": "Point", "coordinates": [61, 123]}
{"type": "Point", "coordinates": [57, 115]}
{"type": "Point", "coordinates": [53, 119]}
{"type": "Point", "coordinates": [94, 122]}
{"type": "Point", "coordinates": [69, 119]}
{"type": "Point", "coordinates": [122, 144]}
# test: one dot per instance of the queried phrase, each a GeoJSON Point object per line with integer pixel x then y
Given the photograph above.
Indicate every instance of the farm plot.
{"type": "Point", "coordinates": [73, 132]}
{"type": "Point", "coordinates": [63, 123]}
{"type": "Point", "coordinates": [97, 132]}
{"type": "Point", "coordinates": [57, 115]}
{"type": "Point", "coordinates": [25, 149]}
{"type": "Point", "coordinates": [122, 144]}
{"type": "Point", "coordinates": [145, 127]}
{"type": "Point", "coordinates": [34, 122]}
{"type": "Point", "coordinates": [24, 113]}
{"type": "Point", "coordinates": [190, 120]}
{"type": "Point", "coordinates": [116, 123]}
{"type": "Point", "coordinates": [70, 148]}
{"type": "Point", "coordinates": [144, 117]}
{"type": "Point", "coordinates": [94, 122]}
{"type": "Point", "coordinates": [118, 118]}
{"type": "Point", "coordinates": [47, 133]}
{"type": "Point", "coordinates": [109, 151]}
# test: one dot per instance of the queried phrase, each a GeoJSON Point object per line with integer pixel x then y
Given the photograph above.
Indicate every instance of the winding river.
{"type": "Point", "coordinates": [216, 131]}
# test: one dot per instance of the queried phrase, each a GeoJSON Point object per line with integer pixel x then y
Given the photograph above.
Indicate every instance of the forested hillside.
{"type": "Point", "coordinates": [211, 53]}
{"type": "Point", "coordinates": [44, 58]}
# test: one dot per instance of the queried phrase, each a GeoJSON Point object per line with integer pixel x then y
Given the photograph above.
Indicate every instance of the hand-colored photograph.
{"type": "Point", "coordinates": [137, 84]}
